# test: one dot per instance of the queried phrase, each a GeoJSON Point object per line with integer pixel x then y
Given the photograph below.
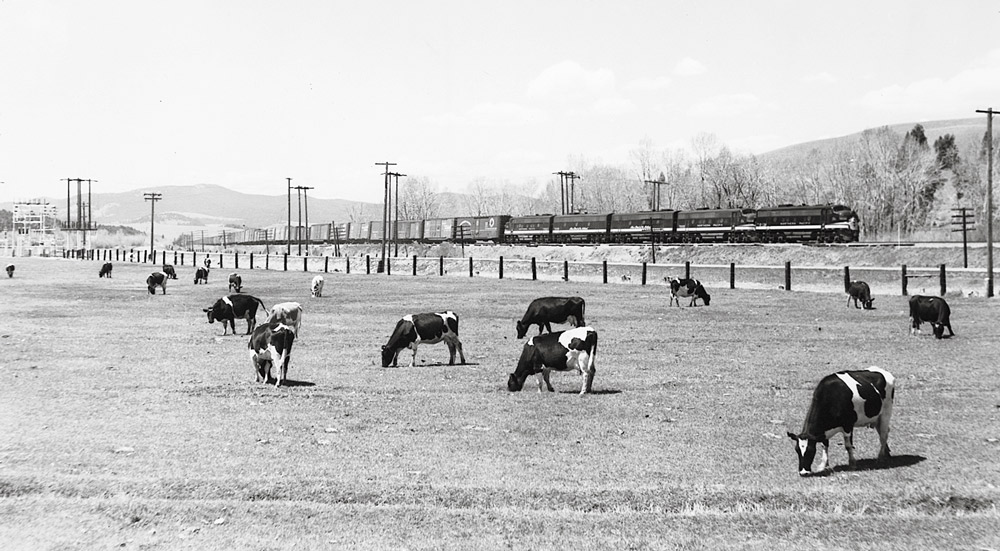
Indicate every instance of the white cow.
{"type": "Point", "coordinates": [288, 313]}
{"type": "Point", "coordinates": [317, 286]}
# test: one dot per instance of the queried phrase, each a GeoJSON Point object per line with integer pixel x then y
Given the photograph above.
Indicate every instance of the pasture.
{"type": "Point", "coordinates": [126, 420]}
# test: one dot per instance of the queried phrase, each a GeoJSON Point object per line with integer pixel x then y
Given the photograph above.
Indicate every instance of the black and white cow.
{"type": "Point", "coordinates": [10, 270]}
{"type": "Point", "coordinates": [415, 329]}
{"type": "Point", "coordinates": [235, 282]}
{"type": "Point", "coordinates": [207, 263]}
{"type": "Point", "coordinates": [287, 313]}
{"type": "Point", "coordinates": [547, 310]}
{"type": "Point", "coordinates": [841, 402]}
{"type": "Point", "coordinates": [932, 309]}
{"type": "Point", "coordinates": [228, 308]}
{"type": "Point", "coordinates": [105, 270]}
{"type": "Point", "coordinates": [271, 344]}
{"type": "Point", "coordinates": [570, 350]}
{"type": "Point", "coordinates": [156, 279]}
{"type": "Point", "coordinates": [169, 270]}
{"type": "Point", "coordinates": [684, 287]}
{"type": "Point", "coordinates": [317, 286]}
{"type": "Point", "coordinates": [859, 290]}
{"type": "Point", "coordinates": [201, 276]}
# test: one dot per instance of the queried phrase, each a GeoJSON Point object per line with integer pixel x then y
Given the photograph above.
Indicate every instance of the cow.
{"type": "Point", "coordinates": [317, 286]}
{"type": "Point", "coordinates": [10, 270]}
{"type": "Point", "coordinates": [156, 279]}
{"type": "Point", "coordinates": [169, 270]}
{"type": "Point", "coordinates": [415, 329]}
{"type": "Point", "coordinates": [571, 350]}
{"type": "Point", "coordinates": [547, 310]}
{"type": "Point", "coordinates": [105, 270]}
{"type": "Point", "coordinates": [841, 402]}
{"type": "Point", "coordinates": [685, 287]}
{"type": "Point", "coordinates": [201, 275]}
{"type": "Point", "coordinates": [228, 308]}
{"type": "Point", "coordinates": [271, 344]}
{"type": "Point", "coordinates": [287, 313]}
{"type": "Point", "coordinates": [207, 263]}
{"type": "Point", "coordinates": [859, 290]}
{"type": "Point", "coordinates": [932, 309]}
{"type": "Point", "coordinates": [235, 282]}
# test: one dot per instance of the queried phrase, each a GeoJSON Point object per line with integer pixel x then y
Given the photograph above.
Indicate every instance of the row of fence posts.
{"type": "Point", "coordinates": [133, 256]}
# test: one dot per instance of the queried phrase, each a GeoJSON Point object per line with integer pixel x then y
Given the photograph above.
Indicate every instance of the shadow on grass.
{"type": "Point", "coordinates": [894, 462]}
{"type": "Point", "coordinates": [292, 382]}
{"type": "Point", "coordinates": [602, 392]}
{"type": "Point", "coordinates": [442, 364]}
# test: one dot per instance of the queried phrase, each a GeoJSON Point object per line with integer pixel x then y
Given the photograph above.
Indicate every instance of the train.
{"type": "Point", "coordinates": [827, 223]}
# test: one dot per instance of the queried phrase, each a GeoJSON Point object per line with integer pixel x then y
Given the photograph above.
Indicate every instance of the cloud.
{"type": "Point", "coordinates": [730, 105]}
{"type": "Point", "coordinates": [820, 78]}
{"type": "Point", "coordinates": [648, 84]}
{"type": "Point", "coordinates": [570, 80]}
{"type": "Point", "coordinates": [688, 67]}
{"type": "Point", "coordinates": [976, 87]}
{"type": "Point", "coordinates": [613, 106]}
{"type": "Point", "coordinates": [491, 114]}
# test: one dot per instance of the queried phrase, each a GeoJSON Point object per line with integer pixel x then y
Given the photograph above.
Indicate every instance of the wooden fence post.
{"type": "Point", "coordinates": [534, 270]}
{"type": "Point", "coordinates": [348, 257]}
{"type": "Point", "coordinates": [732, 275]}
{"type": "Point", "coordinates": [643, 273]}
{"type": "Point", "coordinates": [326, 264]}
{"type": "Point", "coordinates": [944, 284]}
{"type": "Point", "coordinates": [267, 261]}
{"type": "Point", "coordinates": [220, 261]}
{"type": "Point", "coordinates": [687, 269]}
{"type": "Point", "coordinates": [501, 266]}
{"type": "Point", "coordinates": [565, 270]}
{"type": "Point", "coordinates": [285, 262]}
{"type": "Point", "coordinates": [414, 264]}
{"type": "Point", "coordinates": [847, 279]}
{"type": "Point", "coordinates": [788, 275]}
{"type": "Point", "coordinates": [388, 265]}
{"type": "Point", "coordinates": [440, 265]}
{"type": "Point", "coordinates": [904, 280]}
{"type": "Point", "coordinates": [305, 263]}
{"type": "Point", "coordinates": [368, 264]}
{"type": "Point", "coordinates": [236, 260]}
{"type": "Point", "coordinates": [194, 258]}
{"type": "Point", "coordinates": [251, 261]}
{"type": "Point", "coordinates": [470, 266]}
{"type": "Point", "coordinates": [604, 269]}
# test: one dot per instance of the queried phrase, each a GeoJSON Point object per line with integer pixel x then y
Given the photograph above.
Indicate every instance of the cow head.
{"type": "Point", "coordinates": [867, 304]}
{"type": "Point", "coordinates": [10, 270]}
{"type": "Point", "coordinates": [211, 314]}
{"type": "Point", "coordinates": [522, 329]}
{"type": "Point", "coordinates": [805, 448]}
{"type": "Point", "coordinates": [705, 296]}
{"type": "Point", "coordinates": [515, 383]}
{"type": "Point", "coordinates": [388, 355]}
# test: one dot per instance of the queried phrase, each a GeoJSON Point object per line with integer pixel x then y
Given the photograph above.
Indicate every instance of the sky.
{"type": "Point", "coordinates": [244, 94]}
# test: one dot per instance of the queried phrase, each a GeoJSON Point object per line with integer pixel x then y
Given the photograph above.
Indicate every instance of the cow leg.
{"type": "Point", "coordinates": [461, 354]}
{"type": "Point", "coordinates": [256, 368]}
{"type": "Point", "coordinates": [413, 359]}
{"type": "Point", "coordinates": [587, 371]}
{"type": "Point", "coordinates": [283, 368]}
{"type": "Point", "coordinates": [849, 446]}
{"type": "Point", "coordinates": [824, 456]}
{"type": "Point", "coordinates": [545, 376]}
{"type": "Point", "coordinates": [451, 352]}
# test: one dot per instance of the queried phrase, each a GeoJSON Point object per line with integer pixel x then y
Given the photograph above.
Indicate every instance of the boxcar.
{"type": "Point", "coordinates": [340, 232]}
{"type": "Point", "coordinates": [438, 229]}
{"type": "Point", "coordinates": [480, 228]}
{"type": "Point", "coordinates": [410, 230]}
{"type": "Point", "coordinates": [360, 231]}
{"type": "Point", "coordinates": [319, 232]}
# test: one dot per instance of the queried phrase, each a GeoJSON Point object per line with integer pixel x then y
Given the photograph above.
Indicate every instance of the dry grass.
{"type": "Point", "coordinates": [128, 419]}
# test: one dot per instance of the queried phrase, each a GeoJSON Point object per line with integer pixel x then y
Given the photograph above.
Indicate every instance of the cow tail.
{"type": "Point", "coordinates": [267, 312]}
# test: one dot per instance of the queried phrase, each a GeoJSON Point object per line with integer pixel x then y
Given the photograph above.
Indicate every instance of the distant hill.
{"type": "Point", "coordinates": [963, 130]}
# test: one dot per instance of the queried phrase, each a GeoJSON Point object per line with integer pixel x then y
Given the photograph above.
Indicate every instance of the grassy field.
{"type": "Point", "coordinates": [127, 420]}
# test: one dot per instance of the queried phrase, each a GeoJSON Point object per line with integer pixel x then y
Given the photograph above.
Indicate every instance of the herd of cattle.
{"type": "Point", "coordinates": [841, 401]}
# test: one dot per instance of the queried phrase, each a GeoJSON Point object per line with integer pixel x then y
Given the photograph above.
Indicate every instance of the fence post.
{"type": "Point", "coordinates": [251, 261]}
{"type": "Point", "coordinates": [220, 261]}
{"type": "Point", "coordinates": [643, 273]}
{"type": "Point", "coordinates": [788, 275]}
{"type": "Point", "coordinates": [687, 269]}
{"type": "Point", "coordinates": [414, 264]}
{"type": "Point", "coordinates": [470, 266]}
{"type": "Point", "coordinates": [368, 264]}
{"type": "Point", "coordinates": [732, 275]}
{"type": "Point", "coordinates": [847, 279]}
{"type": "Point", "coordinates": [305, 263]}
{"type": "Point", "coordinates": [904, 280]}
{"type": "Point", "coordinates": [388, 265]}
{"type": "Point", "coordinates": [348, 263]}
{"type": "Point", "coordinates": [194, 258]}
{"type": "Point", "coordinates": [604, 269]}
{"type": "Point", "coordinates": [944, 284]}
{"type": "Point", "coordinates": [565, 270]}
{"type": "Point", "coordinates": [534, 270]}
{"type": "Point", "coordinates": [267, 261]}
{"type": "Point", "coordinates": [175, 257]}
{"type": "Point", "coordinates": [326, 264]}
{"type": "Point", "coordinates": [501, 267]}
{"type": "Point", "coordinates": [440, 265]}
{"type": "Point", "coordinates": [236, 260]}
{"type": "Point", "coordinates": [285, 263]}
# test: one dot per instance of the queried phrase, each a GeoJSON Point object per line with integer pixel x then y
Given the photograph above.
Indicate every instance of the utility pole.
{"type": "Point", "coordinates": [288, 249]}
{"type": "Point", "coordinates": [562, 191]}
{"type": "Point", "coordinates": [305, 192]}
{"type": "Point", "coordinates": [572, 177]}
{"type": "Point", "coordinates": [298, 230]}
{"type": "Point", "coordinates": [395, 230]}
{"type": "Point", "coordinates": [961, 217]}
{"type": "Point", "coordinates": [385, 213]}
{"type": "Point", "coordinates": [153, 198]}
{"type": "Point", "coordinates": [654, 202]}
{"type": "Point", "coordinates": [989, 200]}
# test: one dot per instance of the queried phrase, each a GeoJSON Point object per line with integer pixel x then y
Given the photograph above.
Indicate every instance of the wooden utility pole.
{"type": "Point", "coordinates": [562, 191]}
{"type": "Point", "coordinates": [153, 198]}
{"type": "Point", "coordinates": [299, 190]}
{"type": "Point", "coordinates": [395, 230]}
{"type": "Point", "coordinates": [385, 213]}
{"type": "Point", "coordinates": [962, 219]}
{"type": "Point", "coordinates": [288, 228]}
{"type": "Point", "coordinates": [572, 177]}
{"type": "Point", "coordinates": [989, 200]}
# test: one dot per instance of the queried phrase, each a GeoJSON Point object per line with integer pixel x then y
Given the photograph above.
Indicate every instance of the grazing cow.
{"type": "Point", "coordinates": [684, 287]}
{"type": "Point", "coordinates": [859, 290]}
{"type": "Point", "coordinates": [841, 402]}
{"type": "Point", "coordinates": [287, 313]}
{"type": "Point", "coordinates": [105, 270]}
{"type": "Point", "coordinates": [570, 350]}
{"type": "Point", "coordinates": [201, 275]}
{"type": "Point", "coordinates": [271, 344]}
{"type": "Point", "coordinates": [547, 310]}
{"type": "Point", "coordinates": [156, 279]}
{"type": "Point", "coordinates": [228, 308]}
{"type": "Point", "coordinates": [10, 270]}
{"type": "Point", "coordinates": [208, 263]}
{"type": "Point", "coordinates": [235, 282]}
{"type": "Point", "coordinates": [317, 286]}
{"type": "Point", "coordinates": [932, 309]}
{"type": "Point", "coordinates": [415, 329]}
{"type": "Point", "coordinates": [169, 270]}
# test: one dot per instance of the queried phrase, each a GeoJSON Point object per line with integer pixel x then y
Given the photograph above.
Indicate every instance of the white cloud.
{"type": "Point", "coordinates": [729, 105]}
{"type": "Point", "coordinates": [648, 84]}
{"type": "Point", "coordinates": [689, 67]}
{"type": "Point", "coordinates": [820, 78]}
{"type": "Point", "coordinates": [491, 114]}
{"type": "Point", "coordinates": [976, 87]}
{"type": "Point", "coordinates": [570, 80]}
{"type": "Point", "coordinates": [613, 106]}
